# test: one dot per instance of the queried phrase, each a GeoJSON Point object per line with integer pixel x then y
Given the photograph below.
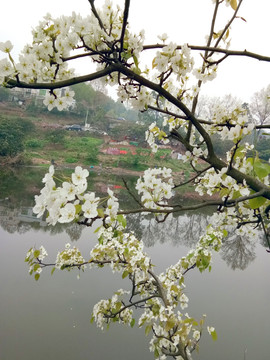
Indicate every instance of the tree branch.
{"type": "Point", "coordinates": [160, 288]}
{"type": "Point", "coordinates": [124, 25]}
{"type": "Point", "coordinates": [215, 50]}
{"type": "Point", "coordinates": [96, 15]}
{"type": "Point", "coordinates": [227, 26]}
{"type": "Point", "coordinates": [192, 179]}
{"type": "Point", "coordinates": [59, 84]}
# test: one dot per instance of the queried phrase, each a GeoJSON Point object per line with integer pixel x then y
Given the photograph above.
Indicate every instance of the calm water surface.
{"type": "Point", "coordinates": [50, 319]}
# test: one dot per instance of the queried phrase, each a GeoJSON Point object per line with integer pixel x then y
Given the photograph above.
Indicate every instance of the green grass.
{"type": "Point", "coordinates": [82, 144]}
{"type": "Point", "coordinates": [71, 160]}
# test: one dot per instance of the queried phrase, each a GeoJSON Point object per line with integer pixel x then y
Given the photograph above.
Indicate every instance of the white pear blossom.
{"type": "Point", "coordinates": [67, 213]}
{"type": "Point", "coordinates": [6, 47]}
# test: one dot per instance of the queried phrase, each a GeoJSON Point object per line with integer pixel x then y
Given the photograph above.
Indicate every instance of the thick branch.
{"type": "Point", "coordinates": [60, 84]}
{"type": "Point", "coordinates": [160, 288]}
{"type": "Point", "coordinates": [157, 88]}
{"type": "Point", "coordinates": [178, 208]}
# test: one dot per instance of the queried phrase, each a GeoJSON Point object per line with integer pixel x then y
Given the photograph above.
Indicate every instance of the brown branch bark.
{"type": "Point", "coordinates": [60, 84]}
{"type": "Point", "coordinates": [215, 50]}
{"type": "Point", "coordinates": [124, 25]}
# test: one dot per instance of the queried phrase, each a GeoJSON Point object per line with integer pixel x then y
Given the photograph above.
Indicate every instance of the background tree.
{"type": "Point", "coordinates": [260, 106]}
{"type": "Point", "coordinates": [12, 135]}
{"type": "Point", "coordinates": [4, 94]}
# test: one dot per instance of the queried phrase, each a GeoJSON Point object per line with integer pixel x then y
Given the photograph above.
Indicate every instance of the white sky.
{"type": "Point", "coordinates": [184, 21]}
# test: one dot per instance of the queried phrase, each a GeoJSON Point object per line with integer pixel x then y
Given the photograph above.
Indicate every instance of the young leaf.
{"type": "Point", "coordinates": [100, 213]}
{"type": "Point", "coordinates": [214, 335]}
{"type": "Point", "coordinates": [36, 253]}
{"type": "Point", "coordinates": [156, 353]}
{"type": "Point", "coordinates": [257, 202]}
{"type": "Point", "coordinates": [125, 274]}
{"type": "Point", "coordinates": [234, 4]}
{"type": "Point", "coordinates": [36, 266]}
{"type": "Point", "coordinates": [261, 169]}
{"type": "Point", "coordinates": [148, 329]}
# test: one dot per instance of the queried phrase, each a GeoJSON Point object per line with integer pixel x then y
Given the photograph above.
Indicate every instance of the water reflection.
{"type": "Point", "coordinates": [51, 317]}
{"type": "Point", "coordinates": [184, 229]}
{"type": "Point", "coordinates": [237, 252]}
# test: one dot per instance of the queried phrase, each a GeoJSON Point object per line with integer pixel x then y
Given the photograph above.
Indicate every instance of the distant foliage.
{"type": "Point", "coordinates": [12, 134]}
{"type": "Point", "coordinates": [4, 94]}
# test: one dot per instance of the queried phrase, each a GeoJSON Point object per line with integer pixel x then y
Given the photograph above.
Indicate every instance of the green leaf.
{"type": "Point", "coordinates": [239, 152]}
{"type": "Point", "coordinates": [36, 253]}
{"type": "Point", "coordinates": [100, 213]}
{"type": "Point", "coordinates": [169, 324]}
{"type": "Point", "coordinates": [156, 353]}
{"type": "Point", "coordinates": [92, 319]}
{"type": "Point", "coordinates": [118, 306]}
{"type": "Point", "coordinates": [155, 309]}
{"type": "Point", "coordinates": [125, 274]}
{"type": "Point", "coordinates": [214, 335]}
{"type": "Point", "coordinates": [257, 202]}
{"type": "Point", "coordinates": [122, 220]}
{"type": "Point", "coordinates": [53, 270]}
{"type": "Point", "coordinates": [234, 4]}
{"type": "Point", "coordinates": [132, 323]}
{"type": "Point", "coordinates": [97, 229]}
{"type": "Point", "coordinates": [78, 208]}
{"type": "Point", "coordinates": [136, 62]}
{"type": "Point", "coordinates": [148, 328]}
{"type": "Point", "coordinates": [37, 276]}
{"type": "Point", "coordinates": [261, 169]}
{"type": "Point", "coordinates": [36, 267]}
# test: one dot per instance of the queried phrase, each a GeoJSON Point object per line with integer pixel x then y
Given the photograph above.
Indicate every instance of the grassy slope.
{"type": "Point", "coordinates": [82, 148]}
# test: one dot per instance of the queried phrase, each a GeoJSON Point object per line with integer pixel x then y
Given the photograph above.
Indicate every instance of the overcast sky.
{"type": "Point", "coordinates": [185, 21]}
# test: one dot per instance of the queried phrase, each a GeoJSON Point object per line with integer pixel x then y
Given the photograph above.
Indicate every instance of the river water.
{"type": "Point", "coordinates": [50, 319]}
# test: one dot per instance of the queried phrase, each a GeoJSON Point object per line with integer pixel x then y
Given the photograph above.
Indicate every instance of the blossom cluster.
{"type": "Point", "coordinates": [156, 188]}
{"type": "Point", "coordinates": [69, 258]}
{"type": "Point", "coordinates": [107, 310]}
{"type": "Point", "coordinates": [161, 295]}
{"type": "Point", "coordinates": [155, 133]}
{"type": "Point", "coordinates": [180, 62]}
{"type": "Point", "coordinates": [215, 181]}
{"type": "Point", "coordinates": [171, 329]}
{"type": "Point", "coordinates": [34, 258]}
{"type": "Point", "coordinates": [54, 40]}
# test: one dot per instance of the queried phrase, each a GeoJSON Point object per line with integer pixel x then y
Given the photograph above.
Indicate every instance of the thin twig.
{"type": "Point", "coordinates": [124, 25]}
{"type": "Point", "coordinates": [192, 179]}
{"type": "Point", "coordinates": [93, 8]}
{"type": "Point", "coordinates": [131, 193]}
